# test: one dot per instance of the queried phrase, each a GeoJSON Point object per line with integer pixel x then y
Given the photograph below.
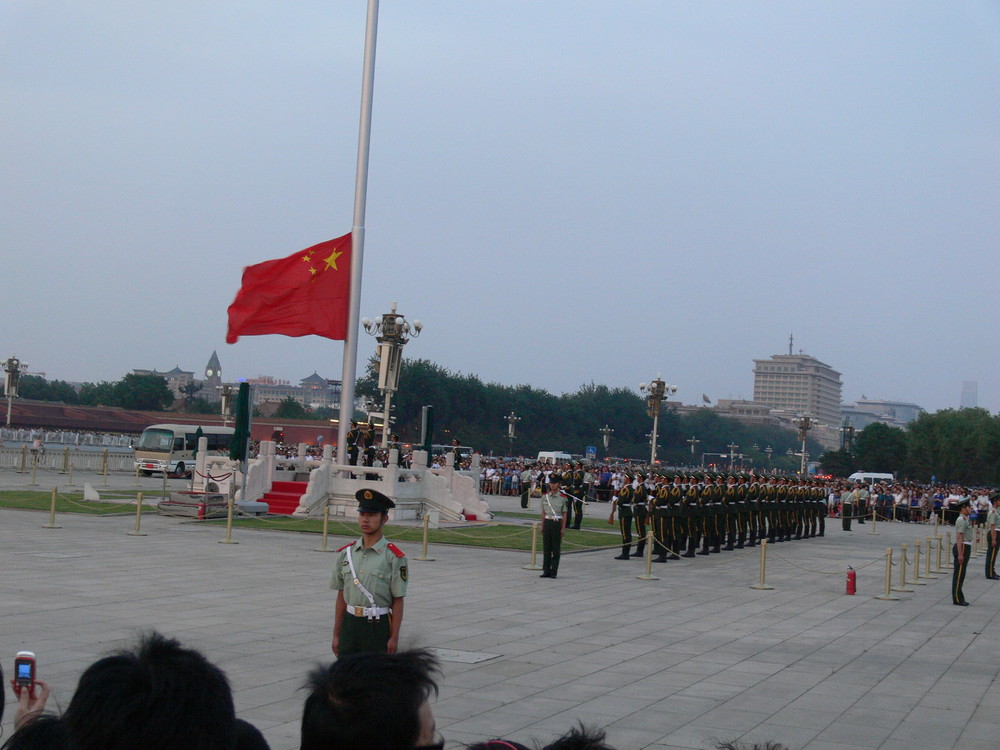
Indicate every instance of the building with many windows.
{"type": "Point", "coordinates": [800, 384]}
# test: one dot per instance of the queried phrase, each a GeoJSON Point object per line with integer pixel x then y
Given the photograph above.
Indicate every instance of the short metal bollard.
{"type": "Point", "coordinates": [927, 561]}
{"type": "Point", "coordinates": [648, 575]}
{"type": "Point", "coordinates": [916, 566]}
{"type": "Point", "coordinates": [533, 565]}
{"type": "Point", "coordinates": [52, 513]}
{"type": "Point", "coordinates": [229, 524]}
{"type": "Point", "coordinates": [762, 586]}
{"type": "Point", "coordinates": [138, 516]}
{"type": "Point", "coordinates": [902, 573]}
{"type": "Point", "coordinates": [887, 594]}
{"type": "Point", "coordinates": [326, 523]}
{"type": "Point", "coordinates": [423, 550]}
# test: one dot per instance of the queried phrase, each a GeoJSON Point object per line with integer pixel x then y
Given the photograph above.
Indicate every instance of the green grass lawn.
{"type": "Point", "coordinates": [69, 503]}
{"type": "Point", "coordinates": [498, 536]}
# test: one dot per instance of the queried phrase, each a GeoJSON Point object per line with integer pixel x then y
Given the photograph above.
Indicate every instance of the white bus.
{"type": "Point", "coordinates": [172, 447]}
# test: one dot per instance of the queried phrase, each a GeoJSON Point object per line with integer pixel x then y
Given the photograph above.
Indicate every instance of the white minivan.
{"type": "Point", "coordinates": [871, 477]}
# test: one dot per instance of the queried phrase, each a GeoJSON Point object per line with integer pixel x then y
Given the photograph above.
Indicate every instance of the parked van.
{"type": "Point", "coordinates": [554, 457]}
{"type": "Point", "coordinates": [871, 477]}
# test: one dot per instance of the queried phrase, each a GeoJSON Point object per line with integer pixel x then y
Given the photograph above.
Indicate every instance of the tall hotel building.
{"type": "Point", "coordinates": [798, 383]}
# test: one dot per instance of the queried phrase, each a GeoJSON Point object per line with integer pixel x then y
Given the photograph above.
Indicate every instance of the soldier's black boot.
{"type": "Point", "coordinates": [729, 542]}
{"type": "Point", "coordinates": [704, 548]}
{"type": "Point", "coordinates": [624, 554]}
{"type": "Point", "coordinates": [640, 548]}
{"type": "Point", "coordinates": [692, 545]}
{"type": "Point", "coordinates": [752, 538]}
{"type": "Point", "coordinates": [715, 543]}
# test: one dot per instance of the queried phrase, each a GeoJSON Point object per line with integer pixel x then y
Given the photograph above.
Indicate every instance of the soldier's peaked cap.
{"type": "Point", "coordinates": [373, 501]}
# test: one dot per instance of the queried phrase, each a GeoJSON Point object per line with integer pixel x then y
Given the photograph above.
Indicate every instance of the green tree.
{"type": "Point", "coordinates": [189, 390]}
{"type": "Point", "coordinates": [142, 393]}
{"type": "Point", "coordinates": [952, 445]}
{"type": "Point", "coordinates": [291, 409]}
{"type": "Point", "coordinates": [880, 447]}
{"type": "Point", "coordinates": [98, 394]}
{"type": "Point", "coordinates": [38, 388]}
{"type": "Point", "coordinates": [201, 405]}
{"type": "Point", "coordinates": [839, 463]}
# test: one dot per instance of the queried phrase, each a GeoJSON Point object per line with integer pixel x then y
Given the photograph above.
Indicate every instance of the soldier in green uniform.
{"type": "Point", "coordinates": [961, 552]}
{"type": "Point", "coordinates": [640, 507]}
{"type": "Point", "coordinates": [660, 510]}
{"type": "Point", "coordinates": [579, 494]}
{"type": "Point", "coordinates": [730, 497]}
{"type": "Point", "coordinates": [992, 524]}
{"type": "Point", "coordinates": [554, 507]}
{"type": "Point", "coordinates": [623, 503]}
{"type": "Point", "coordinates": [370, 578]}
{"type": "Point", "coordinates": [353, 441]}
{"type": "Point", "coordinates": [692, 513]}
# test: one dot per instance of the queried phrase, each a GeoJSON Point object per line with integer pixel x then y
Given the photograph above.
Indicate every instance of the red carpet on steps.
{"type": "Point", "coordinates": [283, 498]}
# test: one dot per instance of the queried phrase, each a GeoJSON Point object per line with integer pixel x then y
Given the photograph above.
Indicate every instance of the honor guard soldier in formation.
{"type": "Point", "coordinates": [370, 577]}
{"type": "Point", "coordinates": [717, 512]}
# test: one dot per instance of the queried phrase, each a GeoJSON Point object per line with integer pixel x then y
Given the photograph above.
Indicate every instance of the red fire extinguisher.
{"type": "Point", "coordinates": [852, 580]}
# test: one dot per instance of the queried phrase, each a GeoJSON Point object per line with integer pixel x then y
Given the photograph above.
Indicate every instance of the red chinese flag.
{"type": "Point", "coordinates": [305, 294]}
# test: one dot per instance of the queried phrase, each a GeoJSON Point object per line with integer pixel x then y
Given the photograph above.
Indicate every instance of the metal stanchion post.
{"type": "Point", "coordinates": [24, 460]}
{"type": "Point", "coordinates": [927, 561]}
{"type": "Point", "coordinates": [137, 476]}
{"type": "Point", "coordinates": [648, 575]}
{"type": "Point", "coordinates": [763, 563]}
{"type": "Point", "coordinates": [326, 524]}
{"type": "Point", "coordinates": [70, 482]}
{"type": "Point", "coordinates": [916, 566]}
{"type": "Point", "coordinates": [65, 461]}
{"type": "Point", "coordinates": [423, 550]}
{"type": "Point", "coordinates": [138, 516]}
{"type": "Point", "coordinates": [52, 513]}
{"type": "Point", "coordinates": [939, 568]}
{"type": "Point", "coordinates": [104, 467]}
{"type": "Point", "coordinates": [887, 595]}
{"type": "Point", "coordinates": [534, 549]}
{"type": "Point", "coordinates": [229, 523]}
{"type": "Point", "coordinates": [874, 521]}
{"type": "Point", "coordinates": [34, 472]}
{"type": "Point", "coordinates": [902, 573]}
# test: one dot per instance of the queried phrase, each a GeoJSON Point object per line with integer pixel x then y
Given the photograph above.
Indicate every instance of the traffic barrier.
{"type": "Point", "coordinates": [423, 550]}
{"type": "Point", "coordinates": [648, 575]}
{"type": "Point", "coordinates": [887, 594]}
{"type": "Point", "coordinates": [533, 565]}
{"type": "Point", "coordinates": [138, 516]}
{"type": "Point", "coordinates": [52, 513]}
{"type": "Point", "coordinates": [761, 585]}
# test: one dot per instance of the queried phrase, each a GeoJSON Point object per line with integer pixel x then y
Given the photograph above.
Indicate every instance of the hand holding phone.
{"type": "Point", "coordinates": [24, 672]}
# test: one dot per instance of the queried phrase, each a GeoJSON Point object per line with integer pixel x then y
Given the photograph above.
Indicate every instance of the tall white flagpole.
{"type": "Point", "coordinates": [358, 235]}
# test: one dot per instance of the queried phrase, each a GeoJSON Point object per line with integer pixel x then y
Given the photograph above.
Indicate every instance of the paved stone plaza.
{"type": "Point", "coordinates": [680, 662]}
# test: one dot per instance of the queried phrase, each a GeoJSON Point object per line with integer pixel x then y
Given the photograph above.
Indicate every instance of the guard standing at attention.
{"type": "Point", "coordinates": [370, 578]}
{"type": "Point", "coordinates": [640, 506]}
{"type": "Point", "coordinates": [992, 522]}
{"type": "Point", "coordinates": [553, 526]}
{"type": "Point", "coordinates": [961, 552]}
{"type": "Point", "coordinates": [624, 505]}
{"type": "Point", "coordinates": [353, 440]}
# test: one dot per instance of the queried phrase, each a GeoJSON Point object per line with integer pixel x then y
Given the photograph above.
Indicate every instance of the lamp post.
{"type": "Point", "coordinates": [769, 450]}
{"type": "Point", "coordinates": [391, 331]}
{"type": "Point", "coordinates": [12, 367]}
{"type": "Point", "coordinates": [693, 441]}
{"type": "Point", "coordinates": [732, 454]}
{"type": "Point", "coordinates": [606, 437]}
{"type": "Point", "coordinates": [804, 424]}
{"type": "Point", "coordinates": [655, 393]}
{"type": "Point", "coordinates": [226, 402]}
{"type": "Point", "coordinates": [846, 435]}
{"type": "Point", "coordinates": [512, 420]}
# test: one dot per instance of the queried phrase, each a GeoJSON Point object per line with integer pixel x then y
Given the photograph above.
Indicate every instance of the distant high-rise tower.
{"type": "Point", "coordinates": [970, 394]}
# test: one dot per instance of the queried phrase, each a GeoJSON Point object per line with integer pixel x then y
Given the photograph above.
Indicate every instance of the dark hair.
{"type": "Point", "coordinates": [497, 744]}
{"type": "Point", "coordinates": [41, 733]}
{"type": "Point", "coordinates": [248, 737]}
{"type": "Point", "coordinates": [580, 738]}
{"type": "Point", "coordinates": [364, 696]}
{"type": "Point", "coordinates": [157, 696]}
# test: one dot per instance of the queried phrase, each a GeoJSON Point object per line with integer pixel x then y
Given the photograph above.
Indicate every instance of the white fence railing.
{"type": "Point", "coordinates": [64, 437]}
{"type": "Point", "coordinates": [56, 459]}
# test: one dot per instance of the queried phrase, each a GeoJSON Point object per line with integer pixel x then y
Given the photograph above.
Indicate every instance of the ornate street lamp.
{"type": "Point", "coordinates": [655, 393]}
{"type": "Point", "coordinates": [732, 454]}
{"type": "Point", "coordinates": [391, 331]}
{"type": "Point", "coordinates": [804, 424]}
{"type": "Point", "coordinates": [12, 368]}
{"type": "Point", "coordinates": [226, 402]}
{"type": "Point", "coordinates": [512, 420]}
{"type": "Point", "coordinates": [606, 437]}
{"type": "Point", "coordinates": [846, 435]}
{"type": "Point", "coordinates": [693, 442]}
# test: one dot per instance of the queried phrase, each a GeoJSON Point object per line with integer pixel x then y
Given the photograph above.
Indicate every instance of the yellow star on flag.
{"type": "Point", "coordinates": [331, 260]}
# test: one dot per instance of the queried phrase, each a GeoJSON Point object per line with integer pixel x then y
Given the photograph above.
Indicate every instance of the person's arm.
{"type": "Point", "coordinates": [396, 621]}
{"type": "Point", "coordinates": [339, 610]}
{"type": "Point", "coordinates": [960, 546]}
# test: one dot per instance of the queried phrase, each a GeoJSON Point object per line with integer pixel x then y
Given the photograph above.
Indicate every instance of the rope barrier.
{"type": "Point", "coordinates": [824, 572]}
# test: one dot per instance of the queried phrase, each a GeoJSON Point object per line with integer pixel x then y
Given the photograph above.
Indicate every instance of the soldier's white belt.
{"type": "Point", "coordinates": [372, 613]}
{"type": "Point", "coordinates": [553, 518]}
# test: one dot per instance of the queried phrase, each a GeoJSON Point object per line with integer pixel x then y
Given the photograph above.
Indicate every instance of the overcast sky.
{"type": "Point", "coordinates": [561, 191]}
